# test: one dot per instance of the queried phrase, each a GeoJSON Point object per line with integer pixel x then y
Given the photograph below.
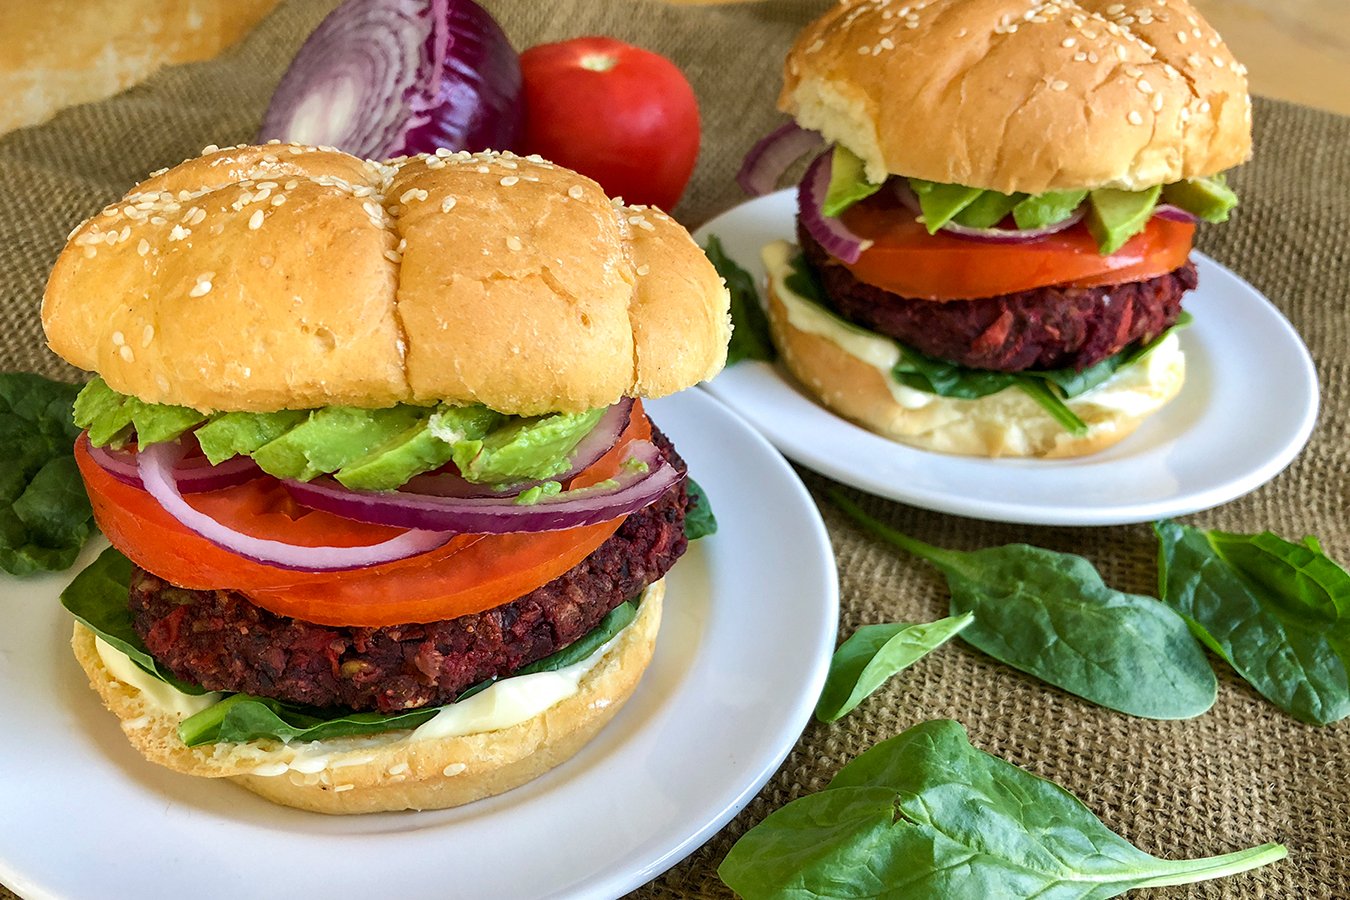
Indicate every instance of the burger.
{"type": "Point", "coordinates": [388, 521]}
{"type": "Point", "coordinates": [994, 244]}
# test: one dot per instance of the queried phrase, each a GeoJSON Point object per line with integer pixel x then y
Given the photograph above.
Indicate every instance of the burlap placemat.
{"type": "Point", "coordinates": [1241, 774]}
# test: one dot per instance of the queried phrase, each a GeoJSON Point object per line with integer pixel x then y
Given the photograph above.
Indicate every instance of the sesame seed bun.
{"type": "Point", "coordinates": [392, 771]}
{"type": "Point", "coordinates": [291, 277]}
{"type": "Point", "coordinates": [1003, 95]}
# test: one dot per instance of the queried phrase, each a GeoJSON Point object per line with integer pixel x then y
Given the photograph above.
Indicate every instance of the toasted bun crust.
{"type": "Point", "coordinates": [391, 772]}
{"type": "Point", "coordinates": [290, 277]}
{"type": "Point", "coordinates": [1008, 96]}
{"type": "Point", "coordinates": [1008, 423]}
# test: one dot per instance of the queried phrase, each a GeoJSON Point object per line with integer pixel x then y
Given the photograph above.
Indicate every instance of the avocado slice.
{"type": "Point", "coordinates": [988, 210]}
{"type": "Point", "coordinates": [427, 445]}
{"type": "Point", "coordinates": [1114, 216]}
{"type": "Point", "coordinates": [941, 202]}
{"type": "Point", "coordinates": [1210, 198]}
{"type": "Point", "coordinates": [1050, 208]}
{"type": "Point", "coordinates": [157, 422]}
{"type": "Point", "coordinates": [241, 433]}
{"type": "Point", "coordinates": [848, 183]}
{"type": "Point", "coordinates": [528, 448]}
{"type": "Point", "coordinates": [332, 438]}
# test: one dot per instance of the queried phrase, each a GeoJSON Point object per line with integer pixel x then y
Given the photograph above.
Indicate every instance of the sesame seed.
{"type": "Point", "coordinates": [886, 43]}
{"type": "Point", "coordinates": [1092, 57]}
{"type": "Point", "coordinates": [1144, 86]}
{"type": "Point", "coordinates": [1157, 102]}
{"type": "Point", "coordinates": [1068, 42]}
{"type": "Point", "coordinates": [278, 199]}
{"type": "Point", "coordinates": [1135, 118]}
{"type": "Point", "coordinates": [1217, 60]}
{"type": "Point", "coordinates": [412, 194]}
{"type": "Point", "coordinates": [509, 180]}
{"type": "Point", "coordinates": [863, 51]}
{"type": "Point", "coordinates": [1080, 57]}
{"type": "Point", "coordinates": [90, 251]}
{"type": "Point", "coordinates": [513, 243]}
{"type": "Point", "coordinates": [143, 247]}
{"type": "Point", "coordinates": [402, 245]}
{"type": "Point", "coordinates": [1181, 37]}
{"type": "Point", "coordinates": [447, 204]}
{"type": "Point", "coordinates": [147, 335]}
{"type": "Point", "coordinates": [337, 789]}
{"type": "Point", "coordinates": [393, 256]}
{"type": "Point", "coordinates": [178, 233]}
{"type": "Point", "coordinates": [1120, 52]}
{"type": "Point", "coordinates": [643, 269]}
{"type": "Point", "coordinates": [292, 185]}
{"type": "Point", "coordinates": [442, 152]}
{"type": "Point", "coordinates": [118, 339]}
{"type": "Point", "coordinates": [200, 289]}
{"type": "Point", "coordinates": [126, 354]}
{"type": "Point", "coordinates": [1115, 9]}
{"type": "Point", "coordinates": [1204, 106]}
{"type": "Point", "coordinates": [483, 170]}
{"type": "Point", "coordinates": [576, 192]}
{"type": "Point", "coordinates": [209, 148]}
{"type": "Point", "coordinates": [255, 221]}
{"type": "Point", "coordinates": [1059, 85]}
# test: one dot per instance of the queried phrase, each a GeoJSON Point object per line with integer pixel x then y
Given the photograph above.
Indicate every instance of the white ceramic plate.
{"type": "Point", "coordinates": [749, 628]}
{"type": "Point", "coordinates": [1248, 406]}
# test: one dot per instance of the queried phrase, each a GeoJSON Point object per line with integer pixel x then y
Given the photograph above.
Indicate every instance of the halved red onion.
{"type": "Point", "coordinates": [828, 231]}
{"type": "Point", "coordinates": [772, 154]}
{"type": "Point", "coordinates": [191, 475]}
{"type": "Point", "coordinates": [1174, 213]}
{"type": "Point", "coordinates": [905, 194]}
{"type": "Point", "coordinates": [155, 465]}
{"type": "Point", "coordinates": [597, 442]}
{"type": "Point", "coordinates": [645, 476]}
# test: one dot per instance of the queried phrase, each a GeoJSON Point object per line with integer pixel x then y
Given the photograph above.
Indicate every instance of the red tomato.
{"type": "Point", "coordinates": [469, 574]}
{"type": "Point", "coordinates": [906, 260]}
{"type": "Point", "coordinates": [622, 115]}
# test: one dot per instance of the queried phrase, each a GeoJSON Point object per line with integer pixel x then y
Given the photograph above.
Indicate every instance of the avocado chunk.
{"type": "Point", "coordinates": [940, 202]}
{"type": "Point", "coordinates": [334, 437]}
{"type": "Point", "coordinates": [241, 433]}
{"type": "Point", "coordinates": [159, 422]}
{"type": "Point", "coordinates": [427, 445]}
{"type": "Point", "coordinates": [988, 210]}
{"type": "Point", "coordinates": [526, 448]}
{"type": "Point", "coordinates": [848, 184]}
{"type": "Point", "coordinates": [1115, 216]}
{"type": "Point", "coordinates": [104, 413]}
{"type": "Point", "coordinates": [1050, 208]}
{"type": "Point", "coordinates": [1210, 198]}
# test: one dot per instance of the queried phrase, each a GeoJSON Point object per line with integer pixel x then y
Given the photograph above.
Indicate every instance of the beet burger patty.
{"type": "Point", "coordinates": [389, 519]}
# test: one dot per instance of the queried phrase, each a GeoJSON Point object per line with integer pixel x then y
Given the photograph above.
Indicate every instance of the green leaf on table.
{"type": "Point", "coordinates": [749, 324]}
{"type": "Point", "coordinates": [45, 517]}
{"type": "Point", "coordinates": [1050, 615]}
{"type": "Point", "coordinates": [873, 654]}
{"type": "Point", "coordinates": [699, 522]}
{"type": "Point", "coordinates": [925, 814]}
{"type": "Point", "coordinates": [1277, 611]}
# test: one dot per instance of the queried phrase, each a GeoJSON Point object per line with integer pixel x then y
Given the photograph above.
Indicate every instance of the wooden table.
{"type": "Point", "coordinates": [60, 52]}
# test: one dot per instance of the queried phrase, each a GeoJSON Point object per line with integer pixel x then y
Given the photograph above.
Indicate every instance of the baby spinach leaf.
{"type": "Point", "coordinates": [925, 814]}
{"type": "Point", "coordinates": [1050, 615]}
{"type": "Point", "coordinates": [699, 522]}
{"type": "Point", "coordinates": [1278, 612]}
{"type": "Point", "coordinates": [45, 516]}
{"type": "Point", "coordinates": [750, 325]}
{"type": "Point", "coordinates": [873, 654]}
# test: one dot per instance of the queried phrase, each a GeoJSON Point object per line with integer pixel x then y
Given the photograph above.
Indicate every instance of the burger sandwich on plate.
{"type": "Point", "coordinates": [388, 520]}
{"type": "Point", "coordinates": [994, 243]}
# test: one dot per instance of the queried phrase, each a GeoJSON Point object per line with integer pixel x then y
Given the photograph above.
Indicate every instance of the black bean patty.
{"type": "Point", "coordinates": [1043, 328]}
{"type": "Point", "coordinates": [220, 640]}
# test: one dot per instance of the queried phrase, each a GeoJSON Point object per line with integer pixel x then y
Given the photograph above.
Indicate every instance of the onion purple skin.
{"type": "Point", "coordinates": [385, 78]}
{"type": "Point", "coordinates": [192, 476]}
{"type": "Point", "coordinates": [829, 232]}
{"type": "Point", "coordinates": [771, 155]}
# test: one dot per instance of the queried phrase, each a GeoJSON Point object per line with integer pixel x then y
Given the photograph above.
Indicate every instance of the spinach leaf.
{"type": "Point", "coordinates": [874, 653]}
{"type": "Point", "coordinates": [1278, 612]}
{"type": "Point", "coordinates": [700, 521]}
{"type": "Point", "coordinates": [750, 325]}
{"type": "Point", "coordinates": [1049, 615]}
{"type": "Point", "coordinates": [925, 814]}
{"type": "Point", "coordinates": [98, 598]}
{"type": "Point", "coordinates": [45, 516]}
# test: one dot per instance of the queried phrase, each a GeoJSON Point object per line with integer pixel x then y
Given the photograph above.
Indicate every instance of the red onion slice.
{"type": "Point", "coordinates": [155, 465]}
{"type": "Point", "coordinates": [192, 476]}
{"type": "Point", "coordinates": [633, 488]}
{"type": "Point", "coordinates": [1174, 213]}
{"type": "Point", "coordinates": [772, 154]}
{"type": "Point", "coordinates": [597, 442]}
{"type": "Point", "coordinates": [828, 231]}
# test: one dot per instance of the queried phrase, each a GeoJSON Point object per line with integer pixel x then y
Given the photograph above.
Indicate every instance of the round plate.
{"type": "Point", "coordinates": [1248, 406]}
{"type": "Point", "coordinates": [725, 698]}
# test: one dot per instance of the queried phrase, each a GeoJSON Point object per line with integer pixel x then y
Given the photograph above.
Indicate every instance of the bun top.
{"type": "Point", "coordinates": [283, 276]}
{"type": "Point", "coordinates": [1012, 95]}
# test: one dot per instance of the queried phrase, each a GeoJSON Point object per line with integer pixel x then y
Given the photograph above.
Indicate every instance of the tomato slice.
{"type": "Point", "coordinates": [469, 574]}
{"type": "Point", "coordinates": [906, 260]}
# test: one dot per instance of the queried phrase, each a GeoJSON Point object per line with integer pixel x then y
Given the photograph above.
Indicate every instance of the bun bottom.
{"type": "Point", "coordinates": [1009, 423]}
{"type": "Point", "coordinates": [389, 772]}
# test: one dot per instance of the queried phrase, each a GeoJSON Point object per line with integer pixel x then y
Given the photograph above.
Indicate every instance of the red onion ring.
{"type": "Point", "coordinates": [633, 488]}
{"type": "Point", "coordinates": [1174, 213]}
{"type": "Point", "coordinates": [828, 231]}
{"type": "Point", "coordinates": [772, 154]}
{"type": "Point", "coordinates": [155, 465]}
{"type": "Point", "coordinates": [597, 442]}
{"type": "Point", "coordinates": [192, 476]}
